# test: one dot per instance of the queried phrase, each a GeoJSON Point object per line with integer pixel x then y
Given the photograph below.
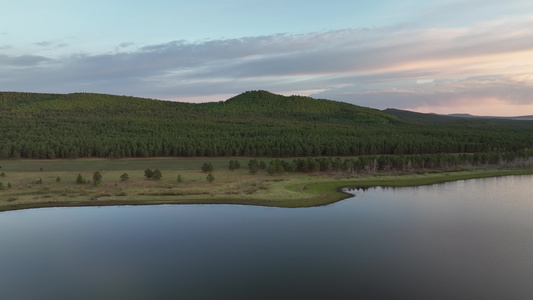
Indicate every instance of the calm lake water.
{"type": "Point", "coordinates": [462, 240]}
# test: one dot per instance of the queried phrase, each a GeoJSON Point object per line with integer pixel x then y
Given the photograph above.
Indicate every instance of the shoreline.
{"type": "Point", "coordinates": [289, 190]}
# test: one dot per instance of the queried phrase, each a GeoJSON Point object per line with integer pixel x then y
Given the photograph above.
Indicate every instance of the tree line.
{"type": "Point", "coordinates": [388, 163]}
{"type": "Point", "coordinates": [51, 139]}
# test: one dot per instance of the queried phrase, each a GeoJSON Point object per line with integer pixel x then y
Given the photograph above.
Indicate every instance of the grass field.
{"type": "Point", "coordinates": [33, 183]}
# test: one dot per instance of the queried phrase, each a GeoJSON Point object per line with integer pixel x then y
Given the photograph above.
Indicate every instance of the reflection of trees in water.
{"type": "Point", "coordinates": [354, 189]}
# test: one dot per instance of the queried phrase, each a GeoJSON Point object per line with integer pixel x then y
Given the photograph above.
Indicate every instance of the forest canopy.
{"type": "Point", "coordinates": [255, 123]}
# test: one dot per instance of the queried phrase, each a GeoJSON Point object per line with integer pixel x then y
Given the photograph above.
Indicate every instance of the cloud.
{"type": "Point", "coordinates": [126, 45]}
{"type": "Point", "coordinates": [514, 90]}
{"type": "Point", "coordinates": [22, 61]}
{"type": "Point", "coordinates": [398, 66]}
{"type": "Point", "coordinates": [44, 44]}
{"type": "Point", "coordinates": [51, 45]}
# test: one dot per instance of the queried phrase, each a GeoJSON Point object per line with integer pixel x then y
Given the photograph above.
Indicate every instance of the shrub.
{"type": "Point", "coordinates": [207, 167]}
{"type": "Point", "coordinates": [124, 177]}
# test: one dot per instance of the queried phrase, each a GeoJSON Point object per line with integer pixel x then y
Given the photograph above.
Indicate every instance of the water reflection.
{"type": "Point", "coordinates": [354, 189]}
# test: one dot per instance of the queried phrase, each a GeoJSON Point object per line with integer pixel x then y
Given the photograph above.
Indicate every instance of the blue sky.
{"type": "Point", "coordinates": [468, 56]}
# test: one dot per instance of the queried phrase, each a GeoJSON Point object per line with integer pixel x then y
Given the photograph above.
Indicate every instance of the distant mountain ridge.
{"type": "Point", "coordinates": [529, 117]}
{"type": "Point", "coordinates": [451, 118]}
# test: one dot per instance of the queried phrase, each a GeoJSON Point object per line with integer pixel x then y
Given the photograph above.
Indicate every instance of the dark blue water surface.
{"type": "Point", "coordinates": [461, 240]}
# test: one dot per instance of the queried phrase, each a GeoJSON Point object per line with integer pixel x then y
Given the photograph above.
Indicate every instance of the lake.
{"type": "Point", "coordinates": [469, 239]}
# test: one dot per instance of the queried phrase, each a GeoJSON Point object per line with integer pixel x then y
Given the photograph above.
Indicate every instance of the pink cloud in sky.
{"type": "Point", "coordinates": [480, 107]}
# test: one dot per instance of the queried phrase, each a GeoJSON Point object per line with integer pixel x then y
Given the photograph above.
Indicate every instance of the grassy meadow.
{"type": "Point", "coordinates": [51, 183]}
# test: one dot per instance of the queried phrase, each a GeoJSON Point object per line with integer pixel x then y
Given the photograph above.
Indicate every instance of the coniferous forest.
{"type": "Point", "coordinates": [252, 124]}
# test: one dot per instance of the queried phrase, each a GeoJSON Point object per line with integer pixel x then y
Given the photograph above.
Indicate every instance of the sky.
{"type": "Point", "coordinates": [440, 56]}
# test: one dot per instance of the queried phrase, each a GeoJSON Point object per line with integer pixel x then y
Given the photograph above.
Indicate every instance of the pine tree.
{"type": "Point", "coordinates": [148, 173]}
{"type": "Point", "coordinates": [210, 177]}
{"type": "Point", "coordinates": [97, 178]}
{"type": "Point", "coordinates": [253, 165]}
{"type": "Point", "coordinates": [80, 179]}
{"type": "Point", "coordinates": [157, 174]}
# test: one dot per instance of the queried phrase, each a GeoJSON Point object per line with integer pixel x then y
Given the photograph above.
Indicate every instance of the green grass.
{"type": "Point", "coordinates": [231, 187]}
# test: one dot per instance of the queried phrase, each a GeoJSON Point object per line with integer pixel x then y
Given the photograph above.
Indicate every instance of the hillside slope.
{"type": "Point", "coordinates": [255, 123]}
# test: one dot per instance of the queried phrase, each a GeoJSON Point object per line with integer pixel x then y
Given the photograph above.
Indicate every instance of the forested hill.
{"type": "Point", "coordinates": [262, 103]}
{"type": "Point", "coordinates": [256, 123]}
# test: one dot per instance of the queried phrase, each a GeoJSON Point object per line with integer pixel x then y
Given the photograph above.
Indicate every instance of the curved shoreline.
{"type": "Point", "coordinates": [307, 191]}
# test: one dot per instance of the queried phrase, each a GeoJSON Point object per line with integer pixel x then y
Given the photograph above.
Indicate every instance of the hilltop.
{"type": "Point", "coordinates": [254, 123]}
{"type": "Point", "coordinates": [252, 104]}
